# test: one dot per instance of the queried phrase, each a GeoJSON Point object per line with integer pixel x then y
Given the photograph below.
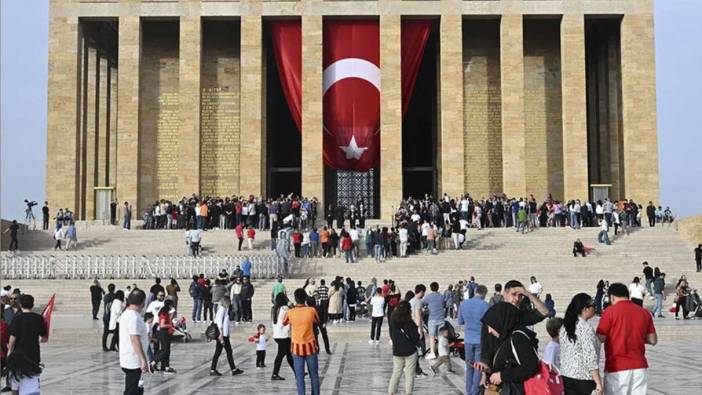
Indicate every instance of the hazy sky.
{"type": "Point", "coordinates": [24, 35]}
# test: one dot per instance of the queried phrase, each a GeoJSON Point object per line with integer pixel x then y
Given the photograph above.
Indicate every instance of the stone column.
{"type": "Point", "coordinates": [63, 124]}
{"type": "Point", "coordinates": [91, 131]}
{"type": "Point", "coordinates": [128, 112]}
{"type": "Point", "coordinates": [103, 127]}
{"type": "Point", "coordinates": [312, 121]}
{"type": "Point", "coordinates": [252, 151]}
{"type": "Point", "coordinates": [390, 114]}
{"type": "Point", "coordinates": [574, 107]}
{"type": "Point", "coordinates": [451, 159]}
{"type": "Point", "coordinates": [189, 98]}
{"type": "Point", "coordinates": [639, 109]}
{"type": "Point", "coordinates": [512, 74]}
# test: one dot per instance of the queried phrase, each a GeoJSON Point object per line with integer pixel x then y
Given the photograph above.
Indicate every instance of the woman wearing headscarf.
{"type": "Point", "coordinates": [508, 349]}
{"type": "Point", "coordinates": [580, 348]}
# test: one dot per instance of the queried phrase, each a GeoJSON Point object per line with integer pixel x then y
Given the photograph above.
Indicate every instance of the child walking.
{"type": "Point", "coordinates": [260, 339]}
{"type": "Point", "coordinates": [444, 357]}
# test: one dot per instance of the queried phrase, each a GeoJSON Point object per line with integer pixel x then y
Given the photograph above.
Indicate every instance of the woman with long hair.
{"type": "Point", "coordinates": [165, 331]}
{"type": "Point", "coordinates": [405, 339]}
{"type": "Point", "coordinates": [222, 321]}
{"type": "Point", "coordinates": [281, 335]}
{"type": "Point", "coordinates": [116, 308]}
{"type": "Point", "coordinates": [22, 373]}
{"type": "Point", "coordinates": [580, 348]}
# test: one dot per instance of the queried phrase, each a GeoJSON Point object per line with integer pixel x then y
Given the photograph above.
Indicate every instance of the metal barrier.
{"type": "Point", "coordinates": [131, 266]}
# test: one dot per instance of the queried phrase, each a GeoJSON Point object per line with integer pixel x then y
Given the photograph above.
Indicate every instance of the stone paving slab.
{"type": "Point", "coordinates": [354, 368]}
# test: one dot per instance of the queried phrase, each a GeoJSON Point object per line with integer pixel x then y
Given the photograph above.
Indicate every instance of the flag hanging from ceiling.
{"type": "Point", "coordinates": [287, 48]}
{"type": "Point", "coordinates": [351, 83]}
{"type": "Point", "coordinates": [351, 94]}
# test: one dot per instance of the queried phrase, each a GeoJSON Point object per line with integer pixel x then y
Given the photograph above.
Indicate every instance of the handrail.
{"type": "Point", "coordinates": [264, 265]}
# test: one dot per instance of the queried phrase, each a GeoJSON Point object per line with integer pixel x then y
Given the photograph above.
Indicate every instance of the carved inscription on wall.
{"type": "Point", "coordinates": [219, 140]}
{"type": "Point", "coordinates": [482, 109]}
{"type": "Point", "coordinates": [167, 143]}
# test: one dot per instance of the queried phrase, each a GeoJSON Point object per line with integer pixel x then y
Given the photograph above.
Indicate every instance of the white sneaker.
{"type": "Point", "coordinates": [371, 341]}
{"type": "Point", "coordinates": [390, 342]}
{"type": "Point", "coordinates": [377, 342]}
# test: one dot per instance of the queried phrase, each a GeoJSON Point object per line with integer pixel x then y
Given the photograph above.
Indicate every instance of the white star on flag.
{"type": "Point", "coordinates": [353, 151]}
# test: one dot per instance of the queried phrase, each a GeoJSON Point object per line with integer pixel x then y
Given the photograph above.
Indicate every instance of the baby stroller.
{"type": "Point", "coordinates": [361, 309]}
{"type": "Point", "coordinates": [181, 330]}
{"type": "Point", "coordinates": [694, 305]}
{"type": "Point", "coordinates": [457, 349]}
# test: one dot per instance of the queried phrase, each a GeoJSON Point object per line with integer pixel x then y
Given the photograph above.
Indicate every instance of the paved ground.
{"type": "Point", "coordinates": [78, 367]}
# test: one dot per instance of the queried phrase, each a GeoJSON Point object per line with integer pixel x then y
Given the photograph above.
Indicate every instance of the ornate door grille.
{"type": "Point", "coordinates": [352, 186]}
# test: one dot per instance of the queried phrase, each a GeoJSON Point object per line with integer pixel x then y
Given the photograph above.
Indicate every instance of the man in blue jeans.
{"type": "Point", "coordinates": [470, 315]}
{"type": "Point", "coordinates": [196, 293]}
{"type": "Point", "coordinates": [304, 346]}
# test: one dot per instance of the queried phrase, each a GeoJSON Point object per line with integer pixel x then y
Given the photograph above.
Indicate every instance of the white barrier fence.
{"type": "Point", "coordinates": [131, 266]}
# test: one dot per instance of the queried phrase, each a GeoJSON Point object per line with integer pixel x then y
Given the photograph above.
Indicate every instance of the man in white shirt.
{"type": "Point", "coordinates": [133, 342]}
{"type": "Point", "coordinates": [603, 236]}
{"type": "Point", "coordinates": [403, 241]}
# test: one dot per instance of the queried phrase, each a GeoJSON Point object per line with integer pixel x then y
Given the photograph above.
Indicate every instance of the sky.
{"type": "Point", "coordinates": [23, 79]}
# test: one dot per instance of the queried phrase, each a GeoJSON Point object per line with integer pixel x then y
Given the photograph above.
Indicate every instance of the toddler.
{"type": "Point", "coordinates": [444, 357]}
{"type": "Point", "coordinates": [260, 339]}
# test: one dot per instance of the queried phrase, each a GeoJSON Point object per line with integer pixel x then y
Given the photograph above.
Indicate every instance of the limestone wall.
{"type": "Point", "coordinates": [691, 229]}
{"type": "Point", "coordinates": [158, 113]}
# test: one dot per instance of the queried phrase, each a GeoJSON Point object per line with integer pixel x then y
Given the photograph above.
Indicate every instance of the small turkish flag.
{"type": "Point", "coordinates": [351, 89]}
{"type": "Point", "coordinates": [46, 314]}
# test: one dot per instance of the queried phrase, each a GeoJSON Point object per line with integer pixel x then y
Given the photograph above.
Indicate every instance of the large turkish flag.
{"type": "Point", "coordinates": [351, 89]}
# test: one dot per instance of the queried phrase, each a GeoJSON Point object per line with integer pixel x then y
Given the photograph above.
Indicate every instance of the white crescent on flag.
{"type": "Point", "coordinates": [350, 68]}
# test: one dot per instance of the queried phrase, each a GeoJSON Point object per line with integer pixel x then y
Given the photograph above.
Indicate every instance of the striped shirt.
{"type": "Point", "coordinates": [301, 320]}
{"type": "Point", "coordinates": [323, 291]}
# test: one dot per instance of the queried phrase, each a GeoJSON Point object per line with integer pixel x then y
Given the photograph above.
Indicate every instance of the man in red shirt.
{"type": "Point", "coordinates": [625, 328]}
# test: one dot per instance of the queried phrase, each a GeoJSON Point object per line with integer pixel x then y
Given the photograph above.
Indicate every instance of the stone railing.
{"type": "Point", "coordinates": [130, 266]}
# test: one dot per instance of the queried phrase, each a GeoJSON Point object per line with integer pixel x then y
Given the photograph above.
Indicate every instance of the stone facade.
{"type": "Point", "coordinates": [181, 110]}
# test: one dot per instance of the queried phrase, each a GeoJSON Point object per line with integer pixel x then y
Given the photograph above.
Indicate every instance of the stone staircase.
{"type": "Point", "coordinates": [492, 256]}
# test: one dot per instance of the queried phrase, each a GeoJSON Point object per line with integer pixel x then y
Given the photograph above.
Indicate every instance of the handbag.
{"type": "Point", "coordinates": [212, 332]}
{"type": "Point", "coordinates": [546, 381]}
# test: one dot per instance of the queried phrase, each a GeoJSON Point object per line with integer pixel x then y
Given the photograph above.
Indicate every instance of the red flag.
{"type": "Point", "coordinates": [46, 314]}
{"type": "Point", "coordinates": [287, 48]}
{"type": "Point", "coordinates": [351, 89]}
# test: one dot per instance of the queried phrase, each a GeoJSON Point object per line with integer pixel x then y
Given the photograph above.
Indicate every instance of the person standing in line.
{"type": "Point", "coordinates": [134, 341]}
{"type": "Point", "coordinates": [127, 222]}
{"type": "Point", "coordinates": [405, 338]}
{"type": "Point", "coordinates": [96, 294]}
{"type": "Point", "coordinates": [222, 321]}
{"type": "Point", "coordinates": [470, 315]}
{"type": "Point", "coordinates": [281, 335]}
{"type": "Point", "coordinates": [625, 329]}
{"type": "Point", "coordinates": [45, 216]}
{"type": "Point", "coordinates": [377, 303]}
{"type": "Point", "coordinates": [304, 346]}
{"type": "Point", "coordinates": [580, 349]}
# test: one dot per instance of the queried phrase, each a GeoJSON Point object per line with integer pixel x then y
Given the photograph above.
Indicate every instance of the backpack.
{"type": "Point", "coordinates": [212, 332]}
